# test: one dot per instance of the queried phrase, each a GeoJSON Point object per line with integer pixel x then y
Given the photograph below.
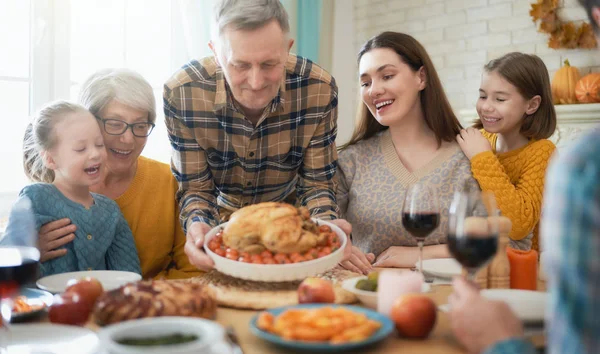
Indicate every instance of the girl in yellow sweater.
{"type": "Point", "coordinates": [510, 154]}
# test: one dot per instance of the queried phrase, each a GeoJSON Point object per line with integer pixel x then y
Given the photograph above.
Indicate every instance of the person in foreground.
{"type": "Point", "coordinates": [144, 189]}
{"type": "Point", "coordinates": [252, 123]}
{"type": "Point", "coordinates": [509, 157]}
{"type": "Point", "coordinates": [570, 233]}
{"type": "Point", "coordinates": [404, 136]}
{"type": "Point", "coordinates": [63, 147]}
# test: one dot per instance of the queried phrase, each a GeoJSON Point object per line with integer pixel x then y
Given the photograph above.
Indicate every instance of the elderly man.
{"type": "Point", "coordinates": [250, 124]}
{"type": "Point", "coordinates": [570, 230]}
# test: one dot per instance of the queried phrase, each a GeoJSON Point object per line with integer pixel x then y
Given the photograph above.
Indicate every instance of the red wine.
{"type": "Point", "coordinates": [472, 252]}
{"type": "Point", "coordinates": [420, 225]}
{"type": "Point", "coordinates": [18, 266]}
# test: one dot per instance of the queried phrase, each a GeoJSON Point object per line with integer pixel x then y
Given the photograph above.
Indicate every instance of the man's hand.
{"type": "Point", "coordinates": [193, 246]}
{"type": "Point", "coordinates": [472, 142]}
{"type": "Point", "coordinates": [479, 323]}
{"type": "Point", "coordinates": [54, 235]}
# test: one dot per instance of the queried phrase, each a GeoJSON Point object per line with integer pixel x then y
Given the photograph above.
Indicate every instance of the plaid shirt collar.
{"type": "Point", "coordinates": [224, 97]}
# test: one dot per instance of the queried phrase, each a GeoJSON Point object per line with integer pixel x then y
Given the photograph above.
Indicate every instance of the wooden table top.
{"type": "Point", "coordinates": [440, 340]}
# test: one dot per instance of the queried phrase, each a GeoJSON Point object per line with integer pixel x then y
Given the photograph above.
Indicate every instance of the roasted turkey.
{"type": "Point", "coordinates": [277, 227]}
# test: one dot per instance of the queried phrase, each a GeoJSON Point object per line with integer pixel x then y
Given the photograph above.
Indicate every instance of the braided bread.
{"type": "Point", "coordinates": [153, 298]}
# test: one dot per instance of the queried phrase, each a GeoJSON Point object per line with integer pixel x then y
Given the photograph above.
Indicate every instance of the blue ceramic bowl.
{"type": "Point", "coordinates": [387, 326]}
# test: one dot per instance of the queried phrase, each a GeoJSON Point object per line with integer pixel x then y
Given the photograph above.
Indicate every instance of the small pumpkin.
{"type": "Point", "coordinates": [588, 88]}
{"type": "Point", "coordinates": [563, 84]}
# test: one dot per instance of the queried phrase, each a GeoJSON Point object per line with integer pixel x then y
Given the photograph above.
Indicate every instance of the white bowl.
{"type": "Point", "coordinates": [369, 298]}
{"type": "Point", "coordinates": [208, 332]}
{"type": "Point", "coordinates": [276, 272]}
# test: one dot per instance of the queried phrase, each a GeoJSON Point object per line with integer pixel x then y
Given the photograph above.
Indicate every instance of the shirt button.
{"type": "Point", "coordinates": [89, 237]}
{"type": "Point", "coordinates": [251, 154]}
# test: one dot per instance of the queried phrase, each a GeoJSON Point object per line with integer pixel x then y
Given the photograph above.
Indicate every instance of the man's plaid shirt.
{"type": "Point", "coordinates": [223, 162]}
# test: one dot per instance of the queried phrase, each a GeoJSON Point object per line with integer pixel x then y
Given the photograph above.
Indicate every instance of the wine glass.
{"type": "Point", "coordinates": [19, 261]}
{"type": "Point", "coordinates": [472, 236]}
{"type": "Point", "coordinates": [420, 214]}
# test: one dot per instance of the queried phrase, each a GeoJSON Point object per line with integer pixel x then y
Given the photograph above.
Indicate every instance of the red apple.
{"type": "Point", "coordinates": [414, 315]}
{"type": "Point", "coordinates": [313, 290]}
{"type": "Point", "coordinates": [89, 289]}
{"type": "Point", "coordinates": [69, 308]}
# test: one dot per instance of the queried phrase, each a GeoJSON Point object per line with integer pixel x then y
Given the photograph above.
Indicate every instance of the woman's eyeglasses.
{"type": "Point", "coordinates": [118, 127]}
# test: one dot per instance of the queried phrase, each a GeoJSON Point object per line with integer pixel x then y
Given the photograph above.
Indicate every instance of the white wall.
{"type": "Point", "coordinates": [460, 36]}
{"type": "Point", "coordinates": [344, 66]}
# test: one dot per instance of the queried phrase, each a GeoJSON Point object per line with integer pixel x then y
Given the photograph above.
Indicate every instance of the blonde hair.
{"type": "Point", "coordinates": [40, 136]}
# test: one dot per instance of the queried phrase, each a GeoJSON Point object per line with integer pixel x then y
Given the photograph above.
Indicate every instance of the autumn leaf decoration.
{"type": "Point", "coordinates": [562, 34]}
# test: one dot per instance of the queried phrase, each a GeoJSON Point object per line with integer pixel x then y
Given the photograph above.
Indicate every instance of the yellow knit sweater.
{"type": "Point", "coordinates": [150, 208]}
{"type": "Point", "coordinates": [517, 180]}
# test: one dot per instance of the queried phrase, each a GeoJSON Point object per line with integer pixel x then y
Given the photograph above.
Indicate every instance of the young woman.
{"type": "Point", "coordinates": [404, 135]}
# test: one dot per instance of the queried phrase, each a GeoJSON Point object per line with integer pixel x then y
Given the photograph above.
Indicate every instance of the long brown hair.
{"type": "Point", "coordinates": [528, 73]}
{"type": "Point", "coordinates": [438, 114]}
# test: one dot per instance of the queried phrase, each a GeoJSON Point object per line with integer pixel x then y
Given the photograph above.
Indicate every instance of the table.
{"type": "Point", "coordinates": [440, 340]}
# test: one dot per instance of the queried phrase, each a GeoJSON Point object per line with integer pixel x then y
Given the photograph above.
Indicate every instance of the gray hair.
{"type": "Point", "coordinates": [40, 136]}
{"type": "Point", "coordinates": [249, 14]}
{"type": "Point", "coordinates": [123, 85]}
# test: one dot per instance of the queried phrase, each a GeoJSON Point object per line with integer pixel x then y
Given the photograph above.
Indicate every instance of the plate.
{"type": "Point", "coordinates": [49, 338]}
{"type": "Point", "coordinates": [387, 326]}
{"type": "Point", "coordinates": [276, 272]}
{"type": "Point", "coordinates": [369, 298]}
{"type": "Point", "coordinates": [110, 279]}
{"type": "Point", "coordinates": [529, 306]}
{"type": "Point", "coordinates": [441, 267]}
{"type": "Point", "coordinates": [34, 297]}
{"type": "Point", "coordinates": [208, 332]}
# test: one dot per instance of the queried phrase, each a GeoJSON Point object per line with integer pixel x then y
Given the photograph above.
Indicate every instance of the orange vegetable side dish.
{"type": "Point", "coordinates": [336, 325]}
{"type": "Point", "coordinates": [330, 243]}
{"type": "Point", "coordinates": [20, 305]}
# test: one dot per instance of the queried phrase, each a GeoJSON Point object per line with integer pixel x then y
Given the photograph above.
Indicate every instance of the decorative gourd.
{"type": "Point", "coordinates": [563, 84]}
{"type": "Point", "coordinates": [588, 88]}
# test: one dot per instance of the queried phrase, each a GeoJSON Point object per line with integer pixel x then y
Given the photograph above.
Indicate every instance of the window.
{"type": "Point", "coordinates": [55, 45]}
{"type": "Point", "coordinates": [14, 90]}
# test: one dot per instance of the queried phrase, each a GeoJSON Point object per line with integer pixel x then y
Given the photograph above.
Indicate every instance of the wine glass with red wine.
{"type": "Point", "coordinates": [472, 238]}
{"type": "Point", "coordinates": [19, 260]}
{"type": "Point", "coordinates": [420, 214]}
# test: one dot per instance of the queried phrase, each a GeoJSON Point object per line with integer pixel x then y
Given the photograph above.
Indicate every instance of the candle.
{"type": "Point", "coordinates": [392, 284]}
{"type": "Point", "coordinates": [523, 268]}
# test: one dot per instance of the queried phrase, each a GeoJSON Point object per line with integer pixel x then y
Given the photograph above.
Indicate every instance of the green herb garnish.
{"type": "Point", "coordinates": [170, 339]}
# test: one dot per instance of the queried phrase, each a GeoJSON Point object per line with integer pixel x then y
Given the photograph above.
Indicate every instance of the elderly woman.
{"type": "Point", "coordinates": [144, 189]}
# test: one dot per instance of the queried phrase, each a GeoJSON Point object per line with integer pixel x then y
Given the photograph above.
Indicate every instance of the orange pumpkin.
{"type": "Point", "coordinates": [563, 84]}
{"type": "Point", "coordinates": [588, 88]}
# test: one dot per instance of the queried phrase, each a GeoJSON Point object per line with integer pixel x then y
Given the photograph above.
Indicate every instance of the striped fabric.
{"type": "Point", "coordinates": [223, 162]}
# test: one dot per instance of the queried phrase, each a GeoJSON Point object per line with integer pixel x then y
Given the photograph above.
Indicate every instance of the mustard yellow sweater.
{"type": "Point", "coordinates": [150, 208]}
{"type": "Point", "coordinates": [517, 180]}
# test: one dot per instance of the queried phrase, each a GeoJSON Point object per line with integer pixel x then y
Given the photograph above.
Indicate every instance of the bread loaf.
{"type": "Point", "coordinates": [153, 298]}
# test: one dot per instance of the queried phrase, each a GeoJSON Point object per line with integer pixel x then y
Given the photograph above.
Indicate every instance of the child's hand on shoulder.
{"type": "Point", "coordinates": [472, 142]}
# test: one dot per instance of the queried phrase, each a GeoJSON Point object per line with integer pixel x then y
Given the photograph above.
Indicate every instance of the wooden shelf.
{"type": "Point", "coordinates": [573, 120]}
